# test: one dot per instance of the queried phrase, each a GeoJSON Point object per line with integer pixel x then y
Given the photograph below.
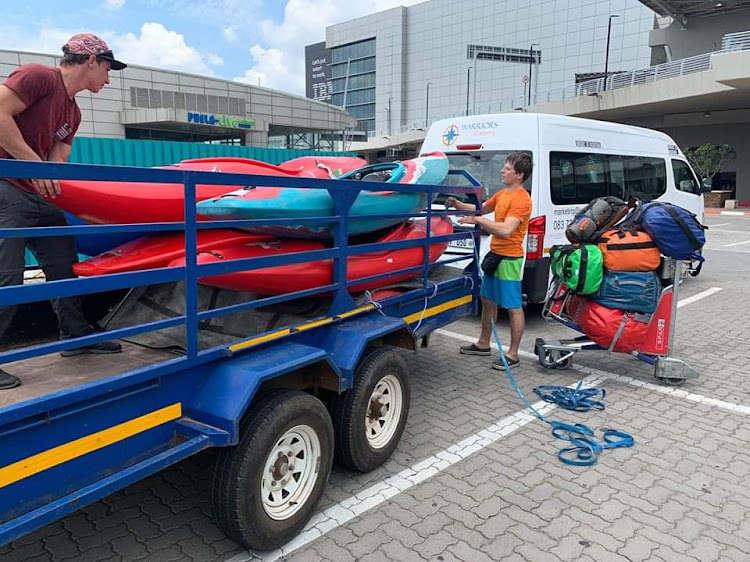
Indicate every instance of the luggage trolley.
{"type": "Point", "coordinates": [656, 349]}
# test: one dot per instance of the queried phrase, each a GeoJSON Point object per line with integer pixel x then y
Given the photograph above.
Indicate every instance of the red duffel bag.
{"type": "Point", "coordinates": [612, 329]}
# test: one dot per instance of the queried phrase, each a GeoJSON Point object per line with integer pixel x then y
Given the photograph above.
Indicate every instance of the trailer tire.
{"type": "Point", "coordinates": [259, 498]}
{"type": "Point", "coordinates": [369, 418]}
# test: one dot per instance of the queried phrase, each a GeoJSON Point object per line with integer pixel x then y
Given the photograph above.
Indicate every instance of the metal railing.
{"type": "Point", "coordinates": [700, 63]}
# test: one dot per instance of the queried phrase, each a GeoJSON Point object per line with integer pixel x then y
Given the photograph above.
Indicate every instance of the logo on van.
{"type": "Point", "coordinates": [450, 136]}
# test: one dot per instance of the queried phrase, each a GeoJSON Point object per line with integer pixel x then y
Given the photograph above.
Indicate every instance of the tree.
{"type": "Point", "coordinates": [707, 160]}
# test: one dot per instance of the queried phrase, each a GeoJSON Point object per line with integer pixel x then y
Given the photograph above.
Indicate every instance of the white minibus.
{"type": "Point", "coordinates": [575, 160]}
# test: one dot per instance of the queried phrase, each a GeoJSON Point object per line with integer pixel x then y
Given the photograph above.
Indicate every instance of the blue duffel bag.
{"type": "Point", "coordinates": [628, 290]}
{"type": "Point", "coordinates": [676, 231]}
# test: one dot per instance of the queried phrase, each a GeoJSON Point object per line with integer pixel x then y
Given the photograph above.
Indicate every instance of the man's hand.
{"type": "Point", "coordinates": [469, 219]}
{"type": "Point", "coordinates": [450, 202]}
{"type": "Point", "coordinates": [47, 188]}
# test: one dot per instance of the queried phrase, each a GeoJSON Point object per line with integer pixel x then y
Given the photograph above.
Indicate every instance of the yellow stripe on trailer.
{"type": "Point", "coordinates": [68, 451]}
{"type": "Point", "coordinates": [262, 339]}
{"type": "Point", "coordinates": [437, 309]}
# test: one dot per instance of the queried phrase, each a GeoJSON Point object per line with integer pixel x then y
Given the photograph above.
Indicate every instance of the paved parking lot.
{"type": "Point", "coordinates": [476, 478]}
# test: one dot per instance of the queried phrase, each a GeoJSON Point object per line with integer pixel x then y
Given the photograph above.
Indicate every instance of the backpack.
{"type": "Point", "coordinates": [588, 223]}
{"type": "Point", "coordinates": [629, 250]}
{"type": "Point", "coordinates": [625, 290]}
{"type": "Point", "coordinates": [676, 231]}
{"type": "Point", "coordinates": [609, 328]}
{"type": "Point", "coordinates": [580, 267]}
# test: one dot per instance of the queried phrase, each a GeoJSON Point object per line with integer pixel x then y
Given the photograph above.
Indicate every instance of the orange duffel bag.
{"type": "Point", "coordinates": [629, 250]}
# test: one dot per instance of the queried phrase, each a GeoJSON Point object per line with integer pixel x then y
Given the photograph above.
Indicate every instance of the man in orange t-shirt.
{"type": "Point", "coordinates": [503, 265]}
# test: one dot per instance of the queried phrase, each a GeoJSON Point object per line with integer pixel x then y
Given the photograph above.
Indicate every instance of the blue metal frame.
{"type": "Point", "coordinates": [210, 388]}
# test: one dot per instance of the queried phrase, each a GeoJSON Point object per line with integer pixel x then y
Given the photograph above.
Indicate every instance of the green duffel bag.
{"type": "Point", "coordinates": [581, 267]}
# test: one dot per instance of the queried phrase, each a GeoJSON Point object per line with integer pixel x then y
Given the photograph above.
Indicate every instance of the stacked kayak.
{"type": "Point", "coordinates": [366, 212]}
{"type": "Point", "coordinates": [164, 203]}
{"type": "Point", "coordinates": [301, 276]}
{"type": "Point", "coordinates": [103, 202]}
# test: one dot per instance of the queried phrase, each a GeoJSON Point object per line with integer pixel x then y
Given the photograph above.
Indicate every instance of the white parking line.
{"type": "Point", "coordinates": [712, 226]}
{"type": "Point", "coordinates": [736, 244]}
{"type": "Point", "coordinates": [699, 296]}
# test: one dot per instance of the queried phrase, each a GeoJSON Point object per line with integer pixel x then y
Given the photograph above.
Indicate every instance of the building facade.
{"type": "Point", "coordinates": [148, 103]}
{"type": "Point", "coordinates": [403, 67]}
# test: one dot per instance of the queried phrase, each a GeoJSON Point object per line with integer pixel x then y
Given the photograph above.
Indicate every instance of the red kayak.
{"type": "Point", "coordinates": [299, 277]}
{"type": "Point", "coordinates": [159, 250]}
{"type": "Point", "coordinates": [103, 202]}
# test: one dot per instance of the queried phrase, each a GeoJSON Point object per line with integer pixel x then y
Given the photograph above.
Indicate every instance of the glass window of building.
{"type": "Point", "coordinates": [353, 83]}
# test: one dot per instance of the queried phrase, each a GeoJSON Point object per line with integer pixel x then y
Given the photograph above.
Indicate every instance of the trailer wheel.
{"type": "Point", "coordinates": [265, 489]}
{"type": "Point", "coordinates": [369, 418]}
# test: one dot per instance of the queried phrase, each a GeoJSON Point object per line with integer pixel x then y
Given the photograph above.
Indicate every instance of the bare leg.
{"type": "Point", "coordinates": [489, 315]}
{"type": "Point", "coordinates": [517, 326]}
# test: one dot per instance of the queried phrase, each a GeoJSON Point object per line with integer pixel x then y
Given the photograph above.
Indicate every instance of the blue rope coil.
{"type": "Point", "coordinates": [585, 448]}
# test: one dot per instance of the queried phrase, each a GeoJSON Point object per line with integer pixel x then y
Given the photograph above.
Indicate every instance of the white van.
{"type": "Point", "coordinates": [575, 160]}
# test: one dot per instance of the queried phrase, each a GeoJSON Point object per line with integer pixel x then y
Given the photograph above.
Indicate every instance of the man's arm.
{"type": "Point", "coordinates": [11, 139]}
{"type": "Point", "coordinates": [503, 229]}
{"type": "Point", "coordinates": [60, 152]}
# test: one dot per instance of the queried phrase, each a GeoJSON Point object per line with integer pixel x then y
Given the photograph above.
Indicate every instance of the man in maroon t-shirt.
{"type": "Point", "coordinates": [38, 119]}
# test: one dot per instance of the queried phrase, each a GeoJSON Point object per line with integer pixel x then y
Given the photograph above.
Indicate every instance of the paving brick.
{"type": "Point", "coordinates": [432, 524]}
{"type": "Point", "coordinates": [532, 553]}
{"type": "Point", "coordinates": [435, 545]}
{"type": "Point", "coordinates": [61, 546]}
{"type": "Point", "coordinates": [467, 553]}
{"type": "Point", "coordinates": [98, 554]}
{"type": "Point", "coordinates": [638, 548]}
{"type": "Point", "coordinates": [196, 550]}
{"type": "Point", "coordinates": [23, 553]}
{"type": "Point", "coordinates": [172, 554]}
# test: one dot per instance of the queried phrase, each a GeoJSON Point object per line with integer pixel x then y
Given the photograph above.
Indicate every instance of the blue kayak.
{"type": "Point", "coordinates": [367, 210]}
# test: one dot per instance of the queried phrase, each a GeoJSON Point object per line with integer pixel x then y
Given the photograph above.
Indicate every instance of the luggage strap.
{"type": "Point", "coordinates": [619, 332]}
{"type": "Point", "coordinates": [582, 270]}
{"type": "Point", "coordinates": [632, 246]}
{"type": "Point", "coordinates": [684, 227]}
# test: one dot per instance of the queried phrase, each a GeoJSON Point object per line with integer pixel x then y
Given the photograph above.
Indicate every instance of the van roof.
{"type": "Point", "coordinates": [566, 133]}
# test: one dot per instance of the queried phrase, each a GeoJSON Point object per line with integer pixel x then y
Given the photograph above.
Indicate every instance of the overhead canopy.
{"type": "Point", "coordinates": [683, 9]}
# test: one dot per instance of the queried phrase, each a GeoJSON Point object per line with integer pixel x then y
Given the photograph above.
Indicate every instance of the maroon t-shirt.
{"type": "Point", "coordinates": [50, 114]}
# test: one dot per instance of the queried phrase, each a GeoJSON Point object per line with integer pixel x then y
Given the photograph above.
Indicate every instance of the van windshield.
{"type": "Point", "coordinates": [485, 166]}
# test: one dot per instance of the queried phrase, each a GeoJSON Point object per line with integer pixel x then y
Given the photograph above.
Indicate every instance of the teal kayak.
{"type": "Point", "coordinates": [367, 211]}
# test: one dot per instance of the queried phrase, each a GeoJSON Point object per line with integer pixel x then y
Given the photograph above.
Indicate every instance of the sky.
{"type": "Point", "coordinates": [243, 40]}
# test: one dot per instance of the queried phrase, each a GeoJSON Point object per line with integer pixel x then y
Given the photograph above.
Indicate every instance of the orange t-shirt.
{"type": "Point", "coordinates": [516, 204]}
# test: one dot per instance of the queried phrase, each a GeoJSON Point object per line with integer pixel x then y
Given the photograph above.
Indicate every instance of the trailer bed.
{"type": "Point", "coordinates": [48, 374]}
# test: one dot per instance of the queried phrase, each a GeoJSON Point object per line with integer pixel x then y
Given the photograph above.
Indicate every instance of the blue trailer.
{"type": "Point", "coordinates": [282, 405]}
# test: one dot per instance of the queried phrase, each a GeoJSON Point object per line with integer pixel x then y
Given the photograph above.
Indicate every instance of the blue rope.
{"type": "Point", "coordinates": [585, 448]}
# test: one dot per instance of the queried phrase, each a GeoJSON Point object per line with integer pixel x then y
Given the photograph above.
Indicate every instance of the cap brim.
{"type": "Point", "coordinates": [114, 64]}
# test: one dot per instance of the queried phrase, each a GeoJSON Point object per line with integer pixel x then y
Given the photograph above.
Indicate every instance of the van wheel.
{"type": "Point", "coordinates": [265, 489]}
{"type": "Point", "coordinates": [369, 418]}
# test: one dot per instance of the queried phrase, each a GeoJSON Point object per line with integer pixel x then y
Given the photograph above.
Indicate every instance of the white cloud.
{"type": "Point", "coordinates": [230, 33]}
{"type": "Point", "coordinates": [279, 60]}
{"type": "Point", "coordinates": [113, 4]}
{"type": "Point", "coordinates": [214, 60]}
{"type": "Point", "coordinates": [154, 45]}
{"type": "Point", "coordinates": [160, 47]}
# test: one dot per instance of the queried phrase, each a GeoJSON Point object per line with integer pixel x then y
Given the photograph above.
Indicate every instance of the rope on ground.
{"type": "Point", "coordinates": [585, 448]}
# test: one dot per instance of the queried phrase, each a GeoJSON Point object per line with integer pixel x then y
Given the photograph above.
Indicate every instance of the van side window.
{"type": "Point", "coordinates": [485, 166]}
{"type": "Point", "coordinates": [577, 178]}
{"type": "Point", "coordinates": [684, 180]}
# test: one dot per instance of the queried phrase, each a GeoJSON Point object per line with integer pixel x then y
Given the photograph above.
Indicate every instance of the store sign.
{"type": "Point", "coordinates": [220, 120]}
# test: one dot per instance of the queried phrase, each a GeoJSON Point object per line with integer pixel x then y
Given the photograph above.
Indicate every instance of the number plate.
{"type": "Point", "coordinates": [464, 243]}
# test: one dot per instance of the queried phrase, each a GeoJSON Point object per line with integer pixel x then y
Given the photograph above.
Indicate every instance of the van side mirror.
{"type": "Point", "coordinates": [706, 186]}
